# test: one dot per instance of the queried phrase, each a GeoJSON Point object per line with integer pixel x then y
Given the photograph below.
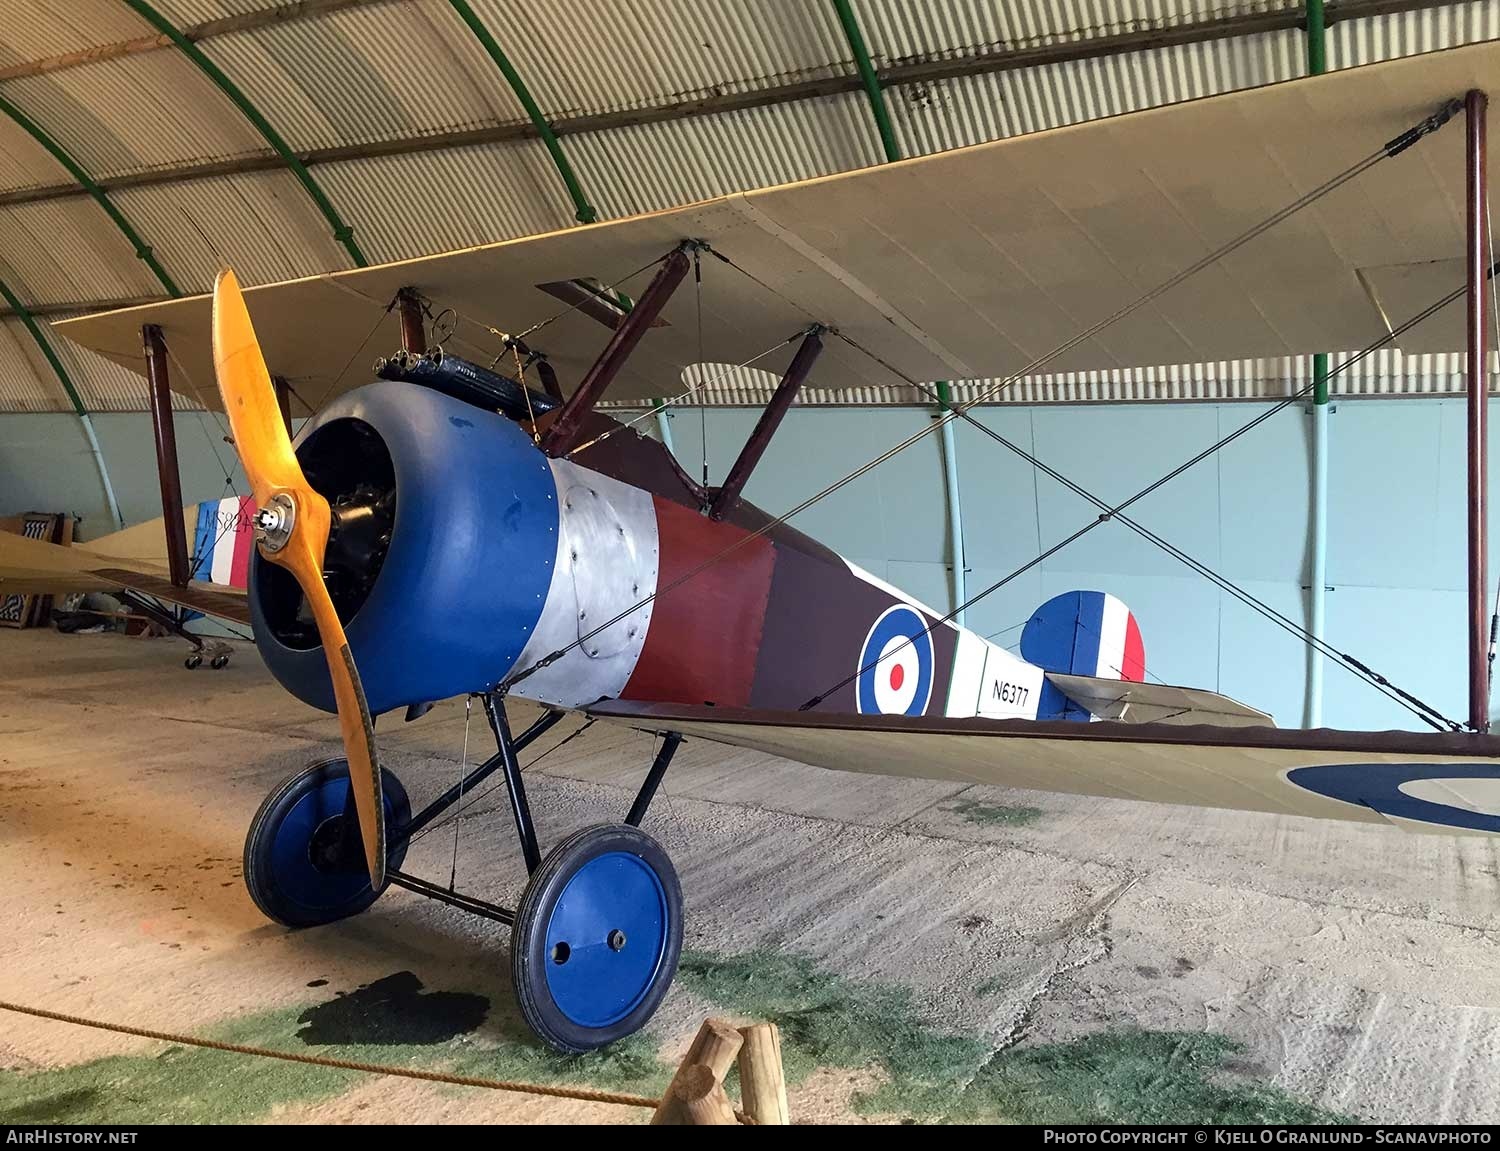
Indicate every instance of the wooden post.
{"type": "Point", "coordinates": [696, 1098]}
{"type": "Point", "coordinates": [711, 1054]}
{"type": "Point", "coordinates": [762, 1080]}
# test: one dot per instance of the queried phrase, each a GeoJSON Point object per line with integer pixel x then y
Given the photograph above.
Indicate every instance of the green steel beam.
{"type": "Point", "coordinates": [583, 211]}
{"type": "Point", "coordinates": [1317, 39]}
{"type": "Point", "coordinates": [342, 232]}
{"type": "Point", "coordinates": [90, 185]}
{"type": "Point", "coordinates": [873, 91]}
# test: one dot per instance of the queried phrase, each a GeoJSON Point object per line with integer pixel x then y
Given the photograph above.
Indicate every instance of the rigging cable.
{"type": "Point", "coordinates": [1392, 148]}
{"type": "Point", "coordinates": [1222, 582]}
{"type": "Point", "coordinates": [1427, 713]}
{"type": "Point", "coordinates": [592, 295]}
{"type": "Point", "coordinates": [463, 765]}
{"type": "Point", "coordinates": [663, 405]}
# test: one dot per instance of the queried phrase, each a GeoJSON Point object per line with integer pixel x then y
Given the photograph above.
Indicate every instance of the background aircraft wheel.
{"type": "Point", "coordinates": [193, 662]}
{"type": "Point", "coordinates": [219, 661]}
{"type": "Point", "coordinates": [597, 937]}
{"type": "Point", "coordinates": [294, 868]}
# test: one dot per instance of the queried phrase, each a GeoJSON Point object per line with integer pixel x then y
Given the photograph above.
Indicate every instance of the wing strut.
{"type": "Point", "coordinates": [167, 471]}
{"type": "Point", "coordinates": [562, 433]}
{"type": "Point", "coordinates": [770, 419]}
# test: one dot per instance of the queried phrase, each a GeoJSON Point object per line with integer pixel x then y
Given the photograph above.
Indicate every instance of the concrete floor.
{"type": "Point", "coordinates": [1357, 966]}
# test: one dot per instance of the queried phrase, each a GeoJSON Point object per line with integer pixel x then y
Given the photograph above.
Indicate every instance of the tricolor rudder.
{"type": "Point", "coordinates": [224, 540]}
{"type": "Point", "coordinates": [1082, 633]}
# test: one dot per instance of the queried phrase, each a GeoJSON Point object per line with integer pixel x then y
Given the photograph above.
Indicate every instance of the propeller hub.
{"type": "Point", "coordinates": [274, 522]}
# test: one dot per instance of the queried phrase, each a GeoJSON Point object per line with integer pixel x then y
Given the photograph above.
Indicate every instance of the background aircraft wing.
{"type": "Point", "coordinates": [35, 567]}
{"type": "Point", "coordinates": [1429, 781]}
{"type": "Point", "coordinates": [965, 264]}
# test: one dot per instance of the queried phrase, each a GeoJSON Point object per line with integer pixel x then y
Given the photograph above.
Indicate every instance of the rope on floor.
{"type": "Point", "coordinates": [585, 1094]}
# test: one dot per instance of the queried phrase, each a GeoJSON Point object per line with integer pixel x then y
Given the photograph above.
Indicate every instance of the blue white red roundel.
{"type": "Point", "coordinates": [895, 665]}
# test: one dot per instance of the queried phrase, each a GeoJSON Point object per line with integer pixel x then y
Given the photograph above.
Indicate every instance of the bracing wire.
{"type": "Point", "coordinates": [1422, 710]}
{"type": "Point", "coordinates": [463, 770]}
{"type": "Point", "coordinates": [1389, 149]}
{"type": "Point", "coordinates": [476, 798]}
{"type": "Point", "coordinates": [1411, 703]}
{"type": "Point", "coordinates": [349, 363]}
{"type": "Point", "coordinates": [613, 286]}
{"type": "Point", "coordinates": [681, 396]}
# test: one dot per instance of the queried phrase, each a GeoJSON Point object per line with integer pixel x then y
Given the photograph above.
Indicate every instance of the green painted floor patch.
{"type": "Point", "coordinates": [996, 814]}
{"type": "Point", "coordinates": [1119, 1076]}
{"type": "Point", "coordinates": [828, 1021]}
{"type": "Point", "coordinates": [198, 1085]}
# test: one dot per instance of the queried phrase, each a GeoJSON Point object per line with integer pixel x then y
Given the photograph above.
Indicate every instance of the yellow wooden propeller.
{"type": "Point", "coordinates": [293, 520]}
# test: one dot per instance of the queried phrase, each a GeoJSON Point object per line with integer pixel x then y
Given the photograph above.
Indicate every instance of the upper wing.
{"type": "Point", "coordinates": [969, 263]}
{"type": "Point", "coordinates": [1132, 702]}
{"type": "Point", "coordinates": [35, 567]}
{"type": "Point", "coordinates": [1351, 775]}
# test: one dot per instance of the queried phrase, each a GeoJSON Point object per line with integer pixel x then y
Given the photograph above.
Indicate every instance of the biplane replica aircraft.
{"type": "Point", "coordinates": [449, 529]}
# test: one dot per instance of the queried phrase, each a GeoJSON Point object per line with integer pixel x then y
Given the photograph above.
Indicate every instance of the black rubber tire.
{"type": "Point", "coordinates": [219, 661]}
{"type": "Point", "coordinates": [193, 662]}
{"type": "Point", "coordinates": [260, 878]}
{"type": "Point", "coordinates": [528, 945]}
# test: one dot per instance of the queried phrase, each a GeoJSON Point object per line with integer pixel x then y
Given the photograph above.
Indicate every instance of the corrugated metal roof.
{"type": "Point", "coordinates": [1384, 373]}
{"type": "Point", "coordinates": [583, 56]}
{"type": "Point", "coordinates": [27, 384]}
{"type": "Point", "coordinates": [450, 199]}
{"type": "Point", "coordinates": [145, 111]}
{"type": "Point", "coordinates": [372, 73]}
{"type": "Point", "coordinates": [61, 251]}
{"type": "Point", "coordinates": [401, 69]}
{"type": "Point", "coordinates": [901, 30]}
{"type": "Point", "coordinates": [185, 13]}
{"type": "Point", "coordinates": [102, 385]}
{"type": "Point", "coordinates": [23, 162]}
{"type": "Point", "coordinates": [262, 223]}
{"type": "Point", "coordinates": [652, 166]}
{"type": "Point", "coordinates": [1356, 42]}
{"type": "Point", "coordinates": [35, 29]}
{"type": "Point", "coordinates": [936, 115]}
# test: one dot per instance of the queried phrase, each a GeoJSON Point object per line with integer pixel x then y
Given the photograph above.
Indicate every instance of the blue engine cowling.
{"type": "Point", "coordinates": [443, 548]}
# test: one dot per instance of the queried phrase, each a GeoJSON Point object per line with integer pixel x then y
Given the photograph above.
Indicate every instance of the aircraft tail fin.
{"type": "Point", "coordinates": [1085, 633]}
{"type": "Point", "coordinates": [220, 539]}
{"type": "Point", "coordinates": [223, 539]}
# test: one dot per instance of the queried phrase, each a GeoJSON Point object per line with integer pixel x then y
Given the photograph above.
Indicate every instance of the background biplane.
{"type": "Point", "coordinates": [455, 531]}
{"type": "Point", "coordinates": [133, 565]}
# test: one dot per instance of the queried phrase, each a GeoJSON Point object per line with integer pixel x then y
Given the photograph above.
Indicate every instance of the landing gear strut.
{"type": "Point", "coordinates": [598, 931]}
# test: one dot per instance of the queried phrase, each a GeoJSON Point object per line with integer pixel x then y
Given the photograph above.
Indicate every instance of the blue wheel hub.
{"type": "Point", "coordinates": [605, 939]}
{"type": "Point", "coordinates": [304, 849]}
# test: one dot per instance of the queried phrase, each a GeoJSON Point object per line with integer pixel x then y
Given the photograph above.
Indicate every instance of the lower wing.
{"type": "Point", "coordinates": [1439, 781]}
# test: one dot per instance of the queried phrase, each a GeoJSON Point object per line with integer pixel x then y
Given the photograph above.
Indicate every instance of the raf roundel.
{"type": "Point", "coordinates": [895, 665]}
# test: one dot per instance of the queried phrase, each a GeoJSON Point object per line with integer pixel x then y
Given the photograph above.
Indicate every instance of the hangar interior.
{"type": "Point", "coordinates": [1046, 958]}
